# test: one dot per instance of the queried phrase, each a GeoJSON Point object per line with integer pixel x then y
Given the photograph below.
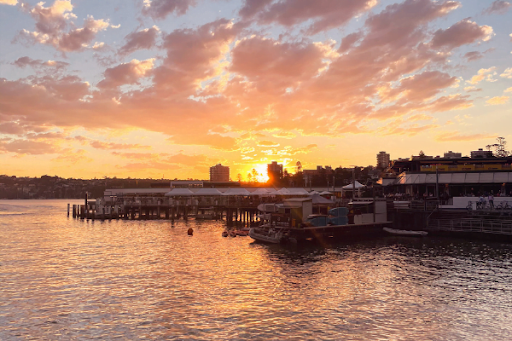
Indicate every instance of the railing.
{"type": "Point", "coordinates": [473, 225]}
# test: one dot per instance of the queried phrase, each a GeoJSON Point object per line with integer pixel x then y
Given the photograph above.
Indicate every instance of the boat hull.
{"type": "Point", "coordinates": [407, 233]}
{"type": "Point", "coordinates": [272, 238]}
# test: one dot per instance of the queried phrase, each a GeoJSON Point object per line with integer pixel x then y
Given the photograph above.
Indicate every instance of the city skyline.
{"type": "Point", "coordinates": [151, 88]}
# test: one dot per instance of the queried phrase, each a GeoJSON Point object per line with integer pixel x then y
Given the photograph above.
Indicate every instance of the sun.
{"type": "Point", "coordinates": [261, 170]}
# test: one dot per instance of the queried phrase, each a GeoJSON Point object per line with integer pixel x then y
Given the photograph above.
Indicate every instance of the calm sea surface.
{"type": "Point", "coordinates": [65, 279]}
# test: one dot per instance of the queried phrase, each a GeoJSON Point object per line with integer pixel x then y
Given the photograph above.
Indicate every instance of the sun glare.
{"type": "Point", "coordinates": [261, 173]}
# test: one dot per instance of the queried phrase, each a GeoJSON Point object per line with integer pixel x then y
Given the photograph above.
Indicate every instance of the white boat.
{"type": "Point", "coordinates": [405, 232]}
{"type": "Point", "coordinates": [268, 235]}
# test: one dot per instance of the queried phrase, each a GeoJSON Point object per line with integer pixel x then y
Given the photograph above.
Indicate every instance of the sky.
{"type": "Point", "coordinates": [168, 88]}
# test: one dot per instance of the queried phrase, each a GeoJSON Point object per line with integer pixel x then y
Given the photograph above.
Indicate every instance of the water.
{"type": "Point", "coordinates": [66, 279]}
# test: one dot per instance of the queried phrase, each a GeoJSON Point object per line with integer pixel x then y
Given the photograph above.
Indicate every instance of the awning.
{"type": "Point", "coordinates": [179, 192]}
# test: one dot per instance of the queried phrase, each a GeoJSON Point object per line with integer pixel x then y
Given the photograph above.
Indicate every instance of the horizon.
{"type": "Point", "coordinates": [145, 88]}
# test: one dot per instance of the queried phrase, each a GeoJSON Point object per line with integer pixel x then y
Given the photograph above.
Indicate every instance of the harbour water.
{"type": "Point", "coordinates": [67, 279]}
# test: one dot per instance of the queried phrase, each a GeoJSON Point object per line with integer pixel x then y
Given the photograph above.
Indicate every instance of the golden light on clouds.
{"type": "Point", "coordinates": [174, 93]}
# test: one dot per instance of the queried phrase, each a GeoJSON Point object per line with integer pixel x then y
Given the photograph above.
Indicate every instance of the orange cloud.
{"type": "Point", "coordinates": [497, 100]}
{"type": "Point", "coordinates": [112, 145]}
{"type": "Point", "coordinates": [457, 137]}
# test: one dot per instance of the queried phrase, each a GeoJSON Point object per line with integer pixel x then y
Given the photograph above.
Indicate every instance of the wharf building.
{"type": "Point", "coordinates": [219, 173]}
{"type": "Point", "coordinates": [450, 176]}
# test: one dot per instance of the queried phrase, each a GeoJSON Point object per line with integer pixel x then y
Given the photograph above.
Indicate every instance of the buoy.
{"type": "Point", "coordinates": [232, 234]}
{"type": "Point", "coordinates": [190, 231]}
{"type": "Point", "coordinates": [225, 233]}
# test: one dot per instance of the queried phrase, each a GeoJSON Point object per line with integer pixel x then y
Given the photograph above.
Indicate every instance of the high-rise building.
{"type": "Point", "coordinates": [382, 160]}
{"type": "Point", "coordinates": [274, 171]}
{"type": "Point", "coordinates": [219, 173]}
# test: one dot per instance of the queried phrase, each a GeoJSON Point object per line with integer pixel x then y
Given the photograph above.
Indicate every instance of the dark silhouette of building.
{"type": "Point", "coordinates": [219, 173]}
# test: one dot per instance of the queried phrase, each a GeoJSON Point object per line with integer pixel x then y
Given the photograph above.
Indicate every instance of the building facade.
{"type": "Point", "coordinates": [452, 155]}
{"type": "Point", "coordinates": [219, 173]}
{"type": "Point", "coordinates": [274, 171]}
{"type": "Point", "coordinates": [382, 160]}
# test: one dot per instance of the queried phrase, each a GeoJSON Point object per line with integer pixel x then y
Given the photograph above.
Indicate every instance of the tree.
{"type": "Point", "coordinates": [254, 175]}
{"type": "Point", "coordinates": [239, 177]}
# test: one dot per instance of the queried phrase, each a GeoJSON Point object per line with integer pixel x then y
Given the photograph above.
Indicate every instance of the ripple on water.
{"type": "Point", "coordinates": [69, 279]}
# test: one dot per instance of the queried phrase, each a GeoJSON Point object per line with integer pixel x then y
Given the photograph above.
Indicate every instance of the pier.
{"type": "Point", "coordinates": [234, 210]}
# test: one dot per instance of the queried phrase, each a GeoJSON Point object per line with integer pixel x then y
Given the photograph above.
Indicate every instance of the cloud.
{"type": "Point", "coordinates": [462, 33]}
{"type": "Point", "coordinates": [454, 136]}
{"type": "Point", "coordinates": [498, 7]}
{"type": "Point", "coordinates": [160, 9]}
{"type": "Point", "coordinates": [472, 89]}
{"type": "Point", "coordinates": [277, 66]}
{"type": "Point", "coordinates": [187, 160]}
{"type": "Point", "coordinates": [126, 73]}
{"type": "Point", "coordinates": [304, 150]}
{"type": "Point", "coordinates": [37, 63]}
{"type": "Point", "coordinates": [507, 73]}
{"type": "Point", "coordinates": [473, 55]}
{"type": "Point", "coordinates": [52, 25]}
{"type": "Point", "coordinates": [72, 156]}
{"type": "Point", "coordinates": [483, 74]}
{"type": "Point", "coordinates": [215, 141]}
{"type": "Point", "coordinates": [23, 147]}
{"type": "Point", "coordinates": [144, 39]}
{"type": "Point", "coordinates": [8, 2]}
{"type": "Point", "coordinates": [508, 90]}
{"type": "Point", "coordinates": [284, 135]}
{"type": "Point", "coordinates": [497, 100]}
{"type": "Point", "coordinates": [113, 145]}
{"type": "Point", "coordinates": [194, 56]}
{"type": "Point", "coordinates": [325, 14]}
{"type": "Point", "coordinates": [267, 144]}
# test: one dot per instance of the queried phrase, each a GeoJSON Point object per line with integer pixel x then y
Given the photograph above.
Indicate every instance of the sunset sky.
{"type": "Point", "coordinates": [168, 88]}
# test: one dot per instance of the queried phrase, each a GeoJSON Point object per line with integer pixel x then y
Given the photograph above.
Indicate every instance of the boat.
{"type": "Point", "coordinates": [268, 234]}
{"type": "Point", "coordinates": [405, 232]}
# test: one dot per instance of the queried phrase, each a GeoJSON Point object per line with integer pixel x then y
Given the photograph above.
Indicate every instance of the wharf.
{"type": "Point", "coordinates": [234, 211]}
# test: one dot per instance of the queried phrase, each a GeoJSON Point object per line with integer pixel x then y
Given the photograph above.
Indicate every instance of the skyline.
{"type": "Point", "coordinates": [144, 88]}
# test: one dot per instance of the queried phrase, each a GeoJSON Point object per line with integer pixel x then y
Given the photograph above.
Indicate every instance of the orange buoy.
{"type": "Point", "coordinates": [190, 231]}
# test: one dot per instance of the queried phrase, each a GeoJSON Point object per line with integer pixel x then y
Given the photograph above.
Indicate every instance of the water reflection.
{"type": "Point", "coordinates": [62, 278]}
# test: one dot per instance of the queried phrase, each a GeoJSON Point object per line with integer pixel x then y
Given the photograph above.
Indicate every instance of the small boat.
{"type": "Point", "coordinates": [405, 232]}
{"type": "Point", "coordinates": [242, 233]}
{"type": "Point", "coordinates": [225, 233]}
{"type": "Point", "coordinates": [268, 235]}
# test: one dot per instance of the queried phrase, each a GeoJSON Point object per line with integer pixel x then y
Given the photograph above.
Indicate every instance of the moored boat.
{"type": "Point", "coordinates": [405, 232]}
{"type": "Point", "coordinates": [268, 235]}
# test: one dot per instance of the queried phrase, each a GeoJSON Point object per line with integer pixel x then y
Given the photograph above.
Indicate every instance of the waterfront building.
{"type": "Point", "coordinates": [383, 160]}
{"type": "Point", "coordinates": [453, 176]}
{"type": "Point", "coordinates": [481, 154]}
{"type": "Point", "coordinates": [219, 173]}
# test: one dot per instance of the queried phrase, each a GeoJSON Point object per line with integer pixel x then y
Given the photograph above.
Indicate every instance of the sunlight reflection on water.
{"type": "Point", "coordinates": [62, 278]}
